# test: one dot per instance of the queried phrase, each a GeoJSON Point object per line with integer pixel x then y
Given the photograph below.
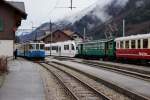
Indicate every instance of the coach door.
{"type": "Point", "coordinates": [59, 50]}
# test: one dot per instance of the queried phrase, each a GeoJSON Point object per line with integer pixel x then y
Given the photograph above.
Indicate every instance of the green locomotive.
{"type": "Point", "coordinates": [97, 49]}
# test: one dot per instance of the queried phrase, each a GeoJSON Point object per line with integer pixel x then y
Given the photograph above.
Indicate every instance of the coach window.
{"type": "Point", "coordinates": [139, 44]}
{"type": "Point", "coordinates": [118, 45]}
{"type": "Point", "coordinates": [121, 44]}
{"type": "Point", "coordinates": [149, 43]}
{"type": "Point", "coordinates": [102, 45]}
{"type": "Point", "coordinates": [145, 43]}
{"type": "Point", "coordinates": [72, 47]}
{"type": "Point", "coordinates": [66, 47]}
{"type": "Point", "coordinates": [53, 48]}
{"type": "Point", "coordinates": [127, 44]}
{"type": "Point", "coordinates": [133, 44]}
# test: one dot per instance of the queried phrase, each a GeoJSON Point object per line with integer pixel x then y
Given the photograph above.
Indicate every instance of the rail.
{"type": "Point", "coordinates": [99, 94]}
{"type": "Point", "coordinates": [120, 89]}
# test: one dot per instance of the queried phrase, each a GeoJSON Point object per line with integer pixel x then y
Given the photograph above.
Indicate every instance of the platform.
{"type": "Point", "coordinates": [23, 82]}
{"type": "Point", "coordinates": [133, 84]}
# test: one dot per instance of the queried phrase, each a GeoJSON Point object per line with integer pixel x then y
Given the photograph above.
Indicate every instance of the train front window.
{"type": "Point", "coordinates": [37, 46]}
{"type": "Point", "coordinates": [145, 43]}
{"type": "Point", "coordinates": [41, 46]}
{"type": "Point", "coordinates": [32, 46]}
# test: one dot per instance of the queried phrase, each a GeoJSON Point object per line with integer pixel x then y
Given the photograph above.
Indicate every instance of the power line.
{"type": "Point", "coordinates": [53, 8]}
{"type": "Point", "coordinates": [71, 5]}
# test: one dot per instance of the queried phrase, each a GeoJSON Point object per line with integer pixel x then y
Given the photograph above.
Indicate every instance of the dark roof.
{"type": "Point", "coordinates": [18, 6]}
{"type": "Point", "coordinates": [52, 33]}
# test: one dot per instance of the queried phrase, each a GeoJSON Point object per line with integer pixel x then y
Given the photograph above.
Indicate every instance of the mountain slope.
{"type": "Point", "coordinates": [100, 19]}
{"type": "Point", "coordinates": [137, 16]}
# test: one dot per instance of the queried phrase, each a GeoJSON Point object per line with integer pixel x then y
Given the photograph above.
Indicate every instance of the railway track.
{"type": "Point", "coordinates": [78, 89]}
{"type": "Point", "coordinates": [134, 72]}
{"type": "Point", "coordinates": [131, 94]}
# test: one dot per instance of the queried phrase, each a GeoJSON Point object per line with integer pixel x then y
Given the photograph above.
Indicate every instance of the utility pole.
{"type": "Point", "coordinates": [123, 27]}
{"type": "Point", "coordinates": [50, 29]}
{"type": "Point", "coordinates": [84, 34]}
{"type": "Point", "coordinates": [106, 35]}
{"type": "Point", "coordinates": [35, 38]}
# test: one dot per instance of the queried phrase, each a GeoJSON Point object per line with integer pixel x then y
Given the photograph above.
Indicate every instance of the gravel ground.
{"type": "Point", "coordinates": [53, 89]}
{"type": "Point", "coordinates": [100, 87]}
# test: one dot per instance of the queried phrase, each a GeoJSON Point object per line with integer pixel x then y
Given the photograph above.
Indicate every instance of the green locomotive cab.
{"type": "Point", "coordinates": [110, 48]}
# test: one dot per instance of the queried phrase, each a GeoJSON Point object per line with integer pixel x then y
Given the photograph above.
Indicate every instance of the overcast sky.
{"type": "Point", "coordinates": [40, 11]}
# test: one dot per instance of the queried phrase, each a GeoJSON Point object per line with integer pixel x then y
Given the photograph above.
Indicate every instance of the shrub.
{"type": "Point", "coordinates": [3, 64]}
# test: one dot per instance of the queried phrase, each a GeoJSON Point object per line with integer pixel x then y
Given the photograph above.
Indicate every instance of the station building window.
{"type": "Point", "coordinates": [127, 44]}
{"type": "Point", "coordinates": [1, 25]}
{"type": "Point", "coordinates": [133, 44]}
{"type": "Point", "coordinates": [145, 43]}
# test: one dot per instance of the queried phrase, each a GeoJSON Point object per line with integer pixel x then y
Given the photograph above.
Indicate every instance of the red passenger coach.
{"type": "Point", "coordinates": [136, 47]}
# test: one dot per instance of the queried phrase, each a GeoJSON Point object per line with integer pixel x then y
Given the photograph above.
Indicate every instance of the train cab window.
{"type": "Point", "coordinates": [127, 44]}
{"type": "Point", "coordinates": [139, 44]}
{"type": "Point", "coordinates": [133, 44]}
{"type": "Point", "coordinates": [72, 47]}
{"type": "Point", "coordinates": [121, 44]}
{"type": "Point", "coordinates": [37, 46]}
{"type": "Point", "coordinates": [41, 46]}
{"type": "Point", "coordinates": [110, 45]}
{"type": "Point", "coordinates": [145, 43]}
{"type": "Point", "coordinates": [32, 46]}
{"type": "Point", "coordinates": [66, 47]}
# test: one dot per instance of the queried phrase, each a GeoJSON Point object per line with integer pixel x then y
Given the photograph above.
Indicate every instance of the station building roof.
{"type": "Point", "coordinates": [18, 6]}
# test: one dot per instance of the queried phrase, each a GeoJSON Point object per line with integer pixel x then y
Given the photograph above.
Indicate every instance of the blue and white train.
{"type": "Point", "coordinates": [31, 50]}
{"type": "Point", "coordinates": [65, 49]}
